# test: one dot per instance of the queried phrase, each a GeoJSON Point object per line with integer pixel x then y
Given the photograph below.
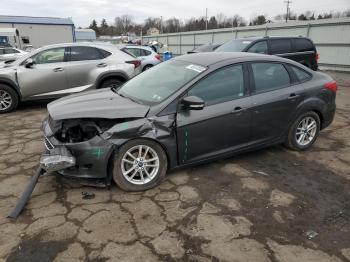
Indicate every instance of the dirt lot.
{"type": "Point", "coordinates": [254, 207]}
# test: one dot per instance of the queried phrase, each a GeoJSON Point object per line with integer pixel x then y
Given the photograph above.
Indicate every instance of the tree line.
{"type": "Point", "coordinates": [125, 24]}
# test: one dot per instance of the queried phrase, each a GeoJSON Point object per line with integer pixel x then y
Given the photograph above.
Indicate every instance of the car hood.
{"type": "Point", "coordinates": [103, 103]}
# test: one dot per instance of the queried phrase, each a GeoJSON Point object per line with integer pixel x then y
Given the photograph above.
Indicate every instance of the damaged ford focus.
{"type": "Point", "coordinates": [192, 109]}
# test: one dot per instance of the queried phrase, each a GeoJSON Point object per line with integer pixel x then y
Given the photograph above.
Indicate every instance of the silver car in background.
{"type": "Point", "coordinates": [11, 53]}
{"type": "Point", "coordinates": [146, 54]}
{"type": "Point", "coordinates": [62, 69]}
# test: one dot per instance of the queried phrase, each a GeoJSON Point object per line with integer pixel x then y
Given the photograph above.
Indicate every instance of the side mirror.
{"type": "Point", "coordinates": [193, 103]}
{"type": "Point", "coordinates": [29, 63]}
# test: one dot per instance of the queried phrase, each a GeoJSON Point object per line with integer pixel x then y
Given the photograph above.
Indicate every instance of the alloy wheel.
{"type": "Point", "coordinates": [306, 131]}
{"type": "Point", "coordinates": [140, 165]}
{"type": "Point", "coordinates": [5, 100]}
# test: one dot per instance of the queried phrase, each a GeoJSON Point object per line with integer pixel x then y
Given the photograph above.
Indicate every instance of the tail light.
{"type": "Point", "coordinates": [157, 56]}
{"type": "Point", "coordinates": [136, 63]}
{"type": "Point", "coordinates": [332, 86]}
{"type": "Point", "coordinates": [317, 56]}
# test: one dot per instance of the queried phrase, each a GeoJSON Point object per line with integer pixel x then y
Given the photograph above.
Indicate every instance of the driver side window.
{"type": "Point", "coordinates": [55, 55]}
{"type": "Point", "coordinates": [223, 85]}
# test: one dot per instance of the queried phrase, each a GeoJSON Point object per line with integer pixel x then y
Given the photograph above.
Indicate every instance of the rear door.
{"type": "Point", "coordinates": [224, 123]}
{"type": "Point", "coordinates": [85, 65]}
{"type": "Point", "coordinates": [281, 47]}
{"type": "Point", "coordinates": [47, 77]}
{"type": "Point", "coordinates": [275, 99]}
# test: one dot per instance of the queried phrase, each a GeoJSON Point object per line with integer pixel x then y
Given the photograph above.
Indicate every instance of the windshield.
{"type": "Point", "coordinates": [156, 84]}
{"type": "Point", "coordinates": [236, 45]}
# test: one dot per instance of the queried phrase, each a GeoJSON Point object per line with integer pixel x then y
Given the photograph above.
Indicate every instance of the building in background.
{"type": "Point", "coordinates": [84, 35]}
{"type": "Point", "coordinates": [36, 31]}
{"type": "Point", "coordinates": [153, 31]}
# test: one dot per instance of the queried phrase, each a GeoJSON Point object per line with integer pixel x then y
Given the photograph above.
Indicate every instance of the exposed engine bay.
{"type": "Point", "coordinates": [80, 130]}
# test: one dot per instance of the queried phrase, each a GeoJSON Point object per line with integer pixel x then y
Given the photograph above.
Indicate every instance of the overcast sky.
{"type": "Point", "coordinates": [83, 11]}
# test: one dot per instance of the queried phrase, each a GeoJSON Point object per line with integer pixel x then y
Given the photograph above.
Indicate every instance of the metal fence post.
{"type": "Point", "coordinates": [194, 40]}
{"type": "Point", "coordinates": [308, 30]}
{"type": "Point", "coordinates": [180, 44]}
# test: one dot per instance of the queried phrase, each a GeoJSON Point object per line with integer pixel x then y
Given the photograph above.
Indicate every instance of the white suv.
{"type": "Point", "coordinates": [10, 53]}
{"type": "Point", "coordinates": [58, 70]}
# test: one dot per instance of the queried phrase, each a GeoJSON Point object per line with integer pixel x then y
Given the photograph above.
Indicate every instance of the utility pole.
{"type": "Point", "coordinates": [206, 18]}
{"type": "Point", "coordinates": [161, 24]}
{"type": "Point", "coordinates": [288, 2]}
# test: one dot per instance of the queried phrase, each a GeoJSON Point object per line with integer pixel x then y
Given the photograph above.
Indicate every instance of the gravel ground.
{"type": "Point", "coordinates": [254, 207]}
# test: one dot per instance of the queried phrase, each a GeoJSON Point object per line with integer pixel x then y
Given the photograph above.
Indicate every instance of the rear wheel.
{"type": "Point", "coordinates": [112, 83]}
{"type": "Point", "coordinates": [139, 165]}
{"type": "Point", "coordinates": [147, 67]}
{"type": "Point", "coordinates": [304, 132]}
{"type": "Point", "coordinates": [8, 99]}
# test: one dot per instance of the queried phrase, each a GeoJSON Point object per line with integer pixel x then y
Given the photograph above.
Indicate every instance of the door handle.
{"type": "Point", "coordinates": [58, 69]}
{"type": "Point", "coordinates": [237, 109]}
{"type": "Point", "coordinates": [293, 95]}
{"type": "Point", "coordinates": [102, 65]}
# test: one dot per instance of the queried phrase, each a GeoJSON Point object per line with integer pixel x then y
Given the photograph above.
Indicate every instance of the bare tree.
{"type": "Point", "coordinates": [124, 24]}
{"type": "Point", "coordinates": [220, 18]}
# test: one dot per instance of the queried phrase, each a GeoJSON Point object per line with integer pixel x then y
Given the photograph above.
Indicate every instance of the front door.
{"type": "Point", "coordinates": [47, 77]}
{"type": "Point", "coordinates": [224, 123]}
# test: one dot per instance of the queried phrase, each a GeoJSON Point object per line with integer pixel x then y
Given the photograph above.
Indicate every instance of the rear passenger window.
{"type": "Point", "coordinates": [135, 51]}
{"type": "Point", "coordinates": [145, 52]}
{"type": "Point", "coordinates": [302, 45]}
{"type": "Point", "coordinates": [82, 53]}
{"type": "Point", "coordinates": [301, 74]}
{"type": "Point", "coordinates": [220, 86]}
{"type": "Point", "coordinates": [280, 46]}
{"type": "Point", "coordinates": [260, 48]}
{"type": "Point", "coordinates": [269, 76]}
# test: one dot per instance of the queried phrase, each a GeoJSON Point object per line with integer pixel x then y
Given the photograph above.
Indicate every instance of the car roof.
{"type": "Point", "coordinates": [107, 46]}
{"type": "Point", "coordinates": [253, 38]}
{"type": "Point", "coordinates": [210, 58]}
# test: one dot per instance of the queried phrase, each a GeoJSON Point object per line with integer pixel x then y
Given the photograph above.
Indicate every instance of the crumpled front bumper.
{"type": "Point", "coordinates": [87, 159]}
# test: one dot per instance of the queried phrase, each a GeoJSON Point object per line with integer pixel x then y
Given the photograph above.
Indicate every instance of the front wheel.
{"type": "Point", "coordinates": [8, 99]}
{"type": "Point", "coordinates": [112, 83]}
{"type": "Point", "coordinates": [139, 165]}
{"type": "Point", "coordinates": [304, 132]}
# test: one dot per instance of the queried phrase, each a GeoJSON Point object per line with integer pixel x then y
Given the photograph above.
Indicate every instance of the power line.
{"type": "Point", "coordinates": [288, 2]}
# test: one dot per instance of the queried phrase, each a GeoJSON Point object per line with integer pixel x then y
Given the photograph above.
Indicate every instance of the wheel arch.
{"type": "Point", "coordinates": [112, 75]}
{"type": "Point", "coordinates": [11, 84]}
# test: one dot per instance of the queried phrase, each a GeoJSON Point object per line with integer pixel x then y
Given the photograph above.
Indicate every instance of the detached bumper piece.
{"type": "Point", "coordinates": [57, 159]}
{"type": "Point", "coordinates": [26, 194]}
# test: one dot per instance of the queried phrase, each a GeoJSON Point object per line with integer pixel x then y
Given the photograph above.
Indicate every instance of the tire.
{"type": "Point", "coordinates": [8, 99]}
{"type": "Point", "coordinates": [112, 82]}
{"type": "Point", "coordinates": [295, 141]}
{"type": "Point", "coordinates": [128, 174]}
{"type": "Point", "coordinates": [146, 67]}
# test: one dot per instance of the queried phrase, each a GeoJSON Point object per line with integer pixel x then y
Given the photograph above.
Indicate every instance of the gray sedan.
{"type": "Point", "coordinates": [203, 107]}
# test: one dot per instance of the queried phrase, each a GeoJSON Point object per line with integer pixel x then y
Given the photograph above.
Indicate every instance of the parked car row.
{"type": "Point", "coordinates": [58, 70]}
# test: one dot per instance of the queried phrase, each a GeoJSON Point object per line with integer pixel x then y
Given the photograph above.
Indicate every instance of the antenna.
{"type": "Point", "coordinates": [288, 2]}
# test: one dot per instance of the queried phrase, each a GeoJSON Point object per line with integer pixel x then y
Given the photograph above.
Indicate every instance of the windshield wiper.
{"type": "Point", "coordinates": [134, 100]}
